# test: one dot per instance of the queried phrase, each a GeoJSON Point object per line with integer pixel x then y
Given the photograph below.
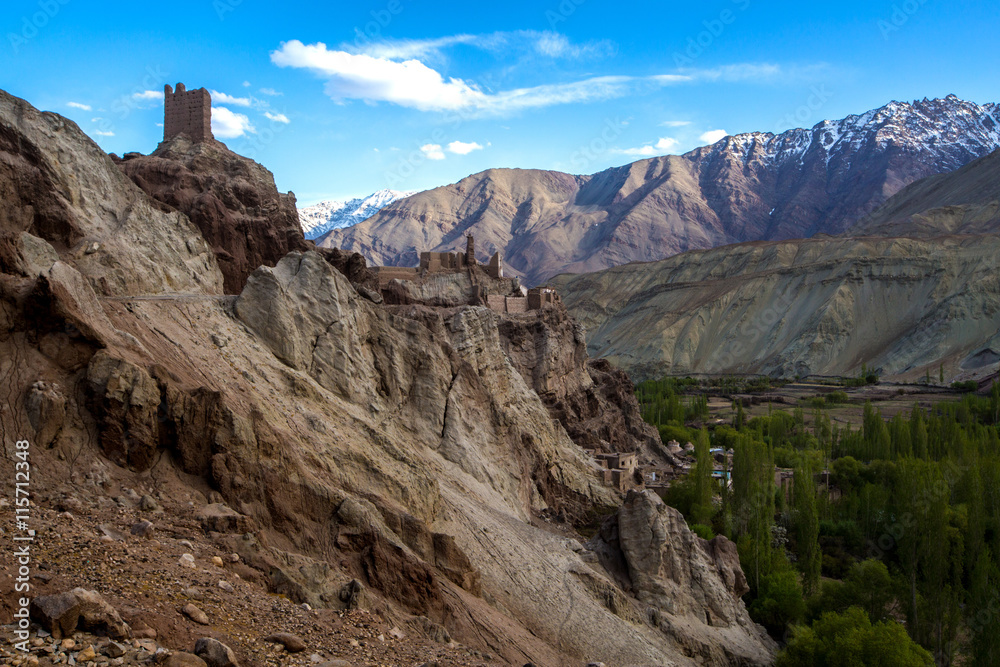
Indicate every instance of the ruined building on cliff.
{"type": "Point", "coordinates": [187, 112]}
{"type": "Point", "coordinates": [489, 286]}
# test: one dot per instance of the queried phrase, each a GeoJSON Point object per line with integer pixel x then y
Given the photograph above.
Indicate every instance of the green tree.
{"type": "Point", "coordinates": [850, 639]}
{"type": "Point", "coordinates": [984, 608]}
{"type": "Point", "coordinates": [807, 528]}
{"type": "Point", "coordinates": [753, 507]}
{"type": "Point", "coordinates": [702, 509]}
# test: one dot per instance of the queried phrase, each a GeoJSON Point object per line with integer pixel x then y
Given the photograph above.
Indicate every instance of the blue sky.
{"type": "Point", "coordinates": [347, 98]}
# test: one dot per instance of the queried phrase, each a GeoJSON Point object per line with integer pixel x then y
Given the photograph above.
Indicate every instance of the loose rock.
{"type": "Point", "coordinates": [215, 653]}
{"type": "Point", "coordinates": [292, 643]}
{"type": "Point", "coordinates": [195, 614]}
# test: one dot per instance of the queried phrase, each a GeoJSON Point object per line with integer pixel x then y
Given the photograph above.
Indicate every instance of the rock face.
{"type": "Point", "coordinates": [57, 186]}
{"type": "Point", "coordinates": [823, 306]}
{"type": "Point", "coordinates": [232, 200]}
{"type": "Point", "coordinates": [692, 586]}
{"type": "Point", "coordinates": [594, 402]}
{"type": "Point", "coordinates": [750, 187]}
{"type": "Point", "coordinates": [390, 458]}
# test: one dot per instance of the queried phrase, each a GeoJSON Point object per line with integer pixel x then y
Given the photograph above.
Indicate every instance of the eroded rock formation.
{"type": "Point", "coordinates": [351, 454]}
{"type": "Point", "coordinates": [232, 200]}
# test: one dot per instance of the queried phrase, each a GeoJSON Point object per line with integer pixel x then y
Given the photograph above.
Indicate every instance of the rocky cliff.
{"type": "Point", "coordinates": [230, 198]}
{"type": "Point", "coordinates": [346, 454]}
{"type": "Point", "coordinates": [749, 187]}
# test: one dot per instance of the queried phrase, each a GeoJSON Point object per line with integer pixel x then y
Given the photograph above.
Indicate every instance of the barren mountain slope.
{"type": "Point", "coordinates": [351, 453]}
{"type": "Point", "coordinates": [755, 186]}
{"type": "Point", "coordinates": [790, 308]}
{"type": "Point", "coordinates": [965, 201]}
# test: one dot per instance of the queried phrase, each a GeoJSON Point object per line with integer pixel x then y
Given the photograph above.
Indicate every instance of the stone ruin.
{"type": "Point", "coordinates": [442, 263]}
{"type": "Point", "coordinates": [187, 112]}
{"type": "Point", "coordinates": [616, 468]}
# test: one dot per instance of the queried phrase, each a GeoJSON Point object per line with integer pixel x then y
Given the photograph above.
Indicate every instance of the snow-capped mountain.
{"type": "Point", "coordinates": [757, 186]}
{"type": "Point", "coordinates": [320, 218]}
{"type": "Point", "coordinates": [951, 130]}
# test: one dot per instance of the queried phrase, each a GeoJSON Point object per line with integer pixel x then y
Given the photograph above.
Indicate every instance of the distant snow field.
{"type": "Point", "coordinates": [320, 218]}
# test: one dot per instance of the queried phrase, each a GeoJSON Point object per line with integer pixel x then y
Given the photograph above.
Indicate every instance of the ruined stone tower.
{"type": "Point", "coordinates": [470, 250]}
{"type": "Point", "coordinates": [187, 112]}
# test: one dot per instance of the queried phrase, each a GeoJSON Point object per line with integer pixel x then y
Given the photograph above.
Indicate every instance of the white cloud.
{"type": "Point", "coordinates": [103, 134]}
{"type": "Point", "coordinates": [148, 95]}
{"type": "Point", "coordinates": [277, 117]}
{"type": "Point", "coordinates": [227, 124]}
{"type": "Point", "coordinates": [78, 105]}
{"type": "Point", "coordinates": [222, 98]}
{"type": "Point", "coordinates": [432, 151]}
{"type": "Point", "coordinates": [405, 49]}
{"type": "Point", "coordinates": [713, 136]}
{"type": "Point", "coordinates": [413, 84]}
{"type": "Point", "coordinates": [463, 148]}
{"type": "Point", "coordinates": [246, 84]}
{"type": "Point", "coordinates": [557, 45]}
{"type": "Point", "coordinates": [270, 91]}
{"type": "Point", "coordinates": [675, 123]}
{"type": "Point", "coordinates": [546, 43]}
{"type": "Point", "coordinates": [663, 145]}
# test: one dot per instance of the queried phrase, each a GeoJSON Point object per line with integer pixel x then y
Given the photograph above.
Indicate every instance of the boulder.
{"type": "Point", "coordinates": [195, 614]}
{"type": "Point", "coordinates": [62, 613]}
{"type": "Point", "coordinates": [215, 653]}
{"type": "Point", "coordinates": [182, 659]}
{"type": "Point", "coordinates": [219, 518]}
{"type": "Point", "coordinates": [292, 643]}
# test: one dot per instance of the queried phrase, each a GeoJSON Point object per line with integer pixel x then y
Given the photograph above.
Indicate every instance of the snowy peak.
{"type": "Point", "coordinates": [949, 131]}
{"type": "Point", "coordinates": [320, 218]}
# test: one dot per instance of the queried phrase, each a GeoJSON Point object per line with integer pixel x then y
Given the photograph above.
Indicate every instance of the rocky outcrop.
{"type": "Point", "coordinates": [750, 187]}
{"type": "Point", "coordinates": [820, 306]}
{"type": "Point", "coordinates": [232, 199]}
{"type": "Point", "coordinates": [692, 586]}
{"type": "Point", "coordinates": [59, 187]}
{"type": "Point", "coordinates": [389, 459]}
{"type": "Point", "coordinates": [594, 402]}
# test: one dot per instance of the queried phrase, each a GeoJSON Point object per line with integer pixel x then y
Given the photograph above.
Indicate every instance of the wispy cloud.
{"type": "Point", "coordinates": [675, 123]}
{"type": "Point", "coordinates": [223, 98]}
{"type": "Point", "coordinates": [101, 133]}
{"type": "Point", "coordinates": [413, 84]}
{"type": "Point", "coordinates": [79, 105]}
{"type": "Point", "coordinates": [277, 117]}
{"type": "Point", "coordinates": [270, 92]}
{"type": "Point", "coordinates": [432, 151]}
{"type": "Point", "coordinates": [661, 147]}
{"type": "Point", "coordinates": [463, 148]}
{"type": "Point", "coordinates": [713, 136]}
{"type": "Point", "coordinates": [148, 95]}
{"type": "Point", "coordinates": [545, 43]}
{"type": "Point", "coordinates": [227, 124]}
